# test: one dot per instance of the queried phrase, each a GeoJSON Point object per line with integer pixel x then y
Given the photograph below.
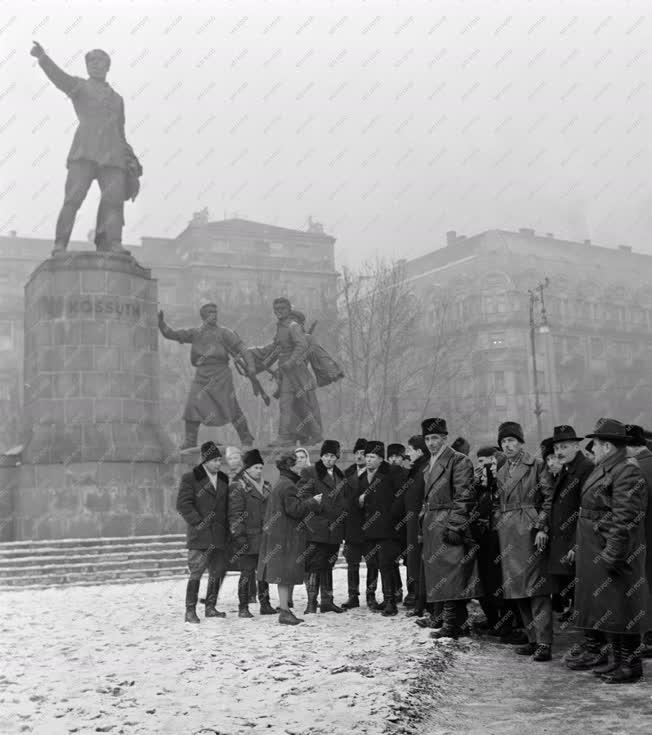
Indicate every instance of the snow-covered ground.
{"type": "Point", "coordinates": [119, 659]}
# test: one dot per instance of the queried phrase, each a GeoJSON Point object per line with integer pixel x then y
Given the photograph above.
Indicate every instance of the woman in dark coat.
{"type": "Point", "coordinates": [283, 545]}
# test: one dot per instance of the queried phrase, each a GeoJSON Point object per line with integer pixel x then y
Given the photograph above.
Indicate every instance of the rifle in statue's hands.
{"type": "Point", "coordinates": [241, 366]}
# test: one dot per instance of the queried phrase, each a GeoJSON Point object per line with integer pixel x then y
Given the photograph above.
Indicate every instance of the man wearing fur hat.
{"type": "Point", "coordinates": [611, 593]}
{"type": "Point", "coordinates": [354, 547]}
{"type": "Point", "coordinates": [525, 497]}
{"type": "Point", "coordinates": [324, 531]}
{"type": "Point", "coordinates": [379, 487]}
{"type": "Point", "coordinates": [202, 503]}
{"type": "Point", "coordinates": [449, 551]}
{"type": "Point", "coordinates": [248, 496]}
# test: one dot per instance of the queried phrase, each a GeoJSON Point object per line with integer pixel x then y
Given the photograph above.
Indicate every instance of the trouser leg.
{"type": "Point", "coordinates": [78, 180]}
{"type": "Point", "coordinates": [110, 213]}
{"type": "Point", "coordinates": [541, 607]}
{"type": "Point", "coordinates": [216, 570]}
{"type": "Point", "coordinates": [525, 609]}
{"type": "Point", "coordinates": [241, 426]}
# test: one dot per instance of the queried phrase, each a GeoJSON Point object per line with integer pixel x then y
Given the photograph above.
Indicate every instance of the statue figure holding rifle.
{"type": "Point", "coordinates": [212, 400]}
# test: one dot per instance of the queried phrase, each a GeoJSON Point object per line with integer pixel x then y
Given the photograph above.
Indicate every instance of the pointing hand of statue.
{"type": "Point", "coordinates": [37, 50]}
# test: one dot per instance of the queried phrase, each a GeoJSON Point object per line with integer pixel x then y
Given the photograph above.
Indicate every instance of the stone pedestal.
{"type": "Point", "coordinates": [95, 461]}
{"type": "Point", "coordinates": [91, 362]}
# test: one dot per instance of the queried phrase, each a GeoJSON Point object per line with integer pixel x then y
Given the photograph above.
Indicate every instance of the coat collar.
{"type": "Point", "coordinates": [601, 469]}
{"type": "Point", "coordinates": [322, 472]}
{"type": "Point", "coordinates": [419, 466]}
{"type": "Point", "coordinates": [442, 461]}
{"type": "Point", "coordinates": [201, 475]}
{"type": "Point", "coordinates": [289, 475]}
{"type": "Point", "coordinates": [521, 469]}
{"type": "Point", "coordinates": [251, 485]}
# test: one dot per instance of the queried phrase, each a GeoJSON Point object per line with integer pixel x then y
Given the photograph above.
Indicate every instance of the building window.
{"type": "Point", "coordinates": [6, 336]}
{"type": "Point", "coordinates": [597, 348]}
{"type": "Point", "coordinates": [499, 382]}
{"type": "Point", "coordinates": [496, 340]}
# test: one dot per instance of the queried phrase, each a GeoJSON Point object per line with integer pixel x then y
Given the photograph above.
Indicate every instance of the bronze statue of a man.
{"type": "Point", "coordinates": [299, 414]}
{"type": "Point", "coordinates": [212, 400]}
{"type": "Point", "coordinates": [99, 151]}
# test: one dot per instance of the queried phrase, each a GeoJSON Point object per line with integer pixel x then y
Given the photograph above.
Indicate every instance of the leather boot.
{"type": "Point", "coordinates": [614, 648]}
{"type": "Point", "coordinates": [312, 590]}
{"type": "Point", "coordinates": [353, 581]}
{"type": "Point", "coordinates": [243, 597]}
{"type": "Point", "coordinates": [631, 665]}
{"type": "Point", "coordinates": [263, 598]}
{"type": "Point", "coordinates": [590, 658]}
{"type": "Point", "coordinates": [326, 584]}
{"type": "Point", "coordinates": [192, 592]}
{"type": "Point", "coordinates": [210, 610]}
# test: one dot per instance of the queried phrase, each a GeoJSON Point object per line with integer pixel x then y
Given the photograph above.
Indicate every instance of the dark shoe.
{"type": "Point", "coordinates": [576, 652]}
{"type": "Point", "coordinates": [445, 632]}
{"type": "Point", "coordinates": [624, 674]}
{"type": "Point", "coordinates": [587, 660]}
{"type": "Point", "coordinates": [482, 625]}
{"type": "Point", "coordinates": [243, 612]}
{"type": "Point", "coordinates": [566, 616]}
{"type": "Point", "coordinates": [410, 600]}
{"type": "Point", "coordinates": [311, 607]}
{"type": "Point", "coordinates": [390, 609]}
{"type": "Point", "coordinates": [543, 653]}
{"type": "Point", "coordinates": [191, 615]}
{"type": "Point", "coordinates": [526, 650]}
{"type": "Point", "coordinates": [374, 605]}
{"type": "Point", "coordinates": [606, 668]}
{"type": "Point", "coordinates": [286, 617]}
{"type": "Point", "coordinates": [514, 638]}
{"type": "Point", "coordinates": [430, 622]}
{"type": "Point", "coordinates": [213, 612]}
{"type": "Point", "coordinates": [415, 613]}
{"type": "Point", "coordinates": [353, 601]}
{"type": "Point", "coordinates": [267, 609]}
{"type": "Point", "coordinates": [331, 607]}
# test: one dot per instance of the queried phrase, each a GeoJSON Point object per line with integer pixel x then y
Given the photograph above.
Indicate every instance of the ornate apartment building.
{"type": "Point", "coordinates": [594, 360]}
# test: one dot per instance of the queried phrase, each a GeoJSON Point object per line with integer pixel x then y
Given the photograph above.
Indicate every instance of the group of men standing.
{"type": "Point", "coordinates": [517, 533]}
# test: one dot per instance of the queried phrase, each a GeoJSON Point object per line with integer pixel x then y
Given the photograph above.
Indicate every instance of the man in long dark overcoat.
{"type": "Point", "coordinates": [202, 503]}
{"type": "Point", "coordinates": [449, 551]}
{"type": "Point", "coordinates": [639, 449]}
{"type": "Point", "coordinates": [324, 532]}
{"type": "Point", "coordinates": [525, 497]}
{"type": "Point", "coordinates": [611, 593]}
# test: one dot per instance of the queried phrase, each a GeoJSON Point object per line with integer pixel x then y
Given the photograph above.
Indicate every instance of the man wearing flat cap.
{"type": "Point", "coordinates": [525, 497]}
{"type": "Point", "coordinates": [324, 530]}
{"type": "Point", "coordinates": [202, 503]}
{"type": "Point", "coordinates": [449, 551]}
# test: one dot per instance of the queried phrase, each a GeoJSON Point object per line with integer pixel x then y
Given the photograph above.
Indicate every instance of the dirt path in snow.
{"type": "Point", "coordinates": [483, 688]}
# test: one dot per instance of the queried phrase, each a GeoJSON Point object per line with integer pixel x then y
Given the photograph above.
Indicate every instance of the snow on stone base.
{"type": "Point", "coordinates": [119, 659]}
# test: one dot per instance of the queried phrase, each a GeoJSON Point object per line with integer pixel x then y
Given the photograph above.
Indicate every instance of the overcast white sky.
{"type": "Point", "coordinates": [390, 122]}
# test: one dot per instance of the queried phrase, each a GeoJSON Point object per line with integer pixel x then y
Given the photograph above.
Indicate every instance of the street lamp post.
{"type": "Point", "coordinates": [536, 296]}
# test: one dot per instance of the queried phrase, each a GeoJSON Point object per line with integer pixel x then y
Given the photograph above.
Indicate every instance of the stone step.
{"type": "Point", "coordinates": [94, 577]}
{"type": "Point", "coordinates": [11, 555]}
{"type": "Point", "coordinates": [36, 583]}
{"type": "Point", "coordinates": [103, 541]}
{"type": "Point", "coordinates": [91, 566]}
{"type": "Point", "coordinates": [87, 558]}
